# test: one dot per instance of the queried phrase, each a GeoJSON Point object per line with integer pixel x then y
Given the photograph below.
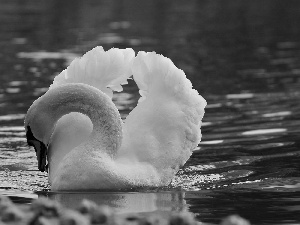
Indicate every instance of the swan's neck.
{"type": "Point", "coordinates": [106, 134]}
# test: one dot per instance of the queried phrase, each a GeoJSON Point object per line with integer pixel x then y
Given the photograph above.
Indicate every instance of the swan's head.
{"type": "Point", "coordinates": [43, 116]}
{"type": "Point", "coordinates": [38, 132]}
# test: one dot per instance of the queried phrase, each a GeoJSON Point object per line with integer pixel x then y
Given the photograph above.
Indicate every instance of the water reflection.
{"type": "Point", "coordinates": [125, 202]}
{"type": "Point", "coordinates": [264, 131]}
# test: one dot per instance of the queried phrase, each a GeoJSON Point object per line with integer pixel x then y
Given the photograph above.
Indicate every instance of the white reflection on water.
{"type": "Point", "coordinates": [16, 83]}
{"type": "Point", "coordinates": [214, 142]}
{"type": "Point", "coordinates": [40, 55]}
{"type": "Point", "coordinates": [284, 186]}
{"type": "Point", "coordinates": [211, 106]}
{"type": "Point", "coordinates": [13, 133]}
{"type": "Point", "coordinates": [12, 90]}
{"type": "Point", "coordinates": [199, 168]}
{"type": "Point", "coordinates": [12, 128]}
{"type": "Point", "coordinates": [193, 181]}
{"type": "Point", "coordinates": [12, 117]}
{"type": "Point", "coordinates": [264, 131]}
{"type": "Point", "coordinates": [12, 139]}
{"type": "Point", "coordinates": [206, 124]}
{"type": "Point", "coordinates": [283, 113]}
{"type": "Point", "coordinates": [240, 96]}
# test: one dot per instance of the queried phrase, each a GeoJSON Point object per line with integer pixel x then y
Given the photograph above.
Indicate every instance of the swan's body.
{"type": "Point", "coordinates": [98, 151]}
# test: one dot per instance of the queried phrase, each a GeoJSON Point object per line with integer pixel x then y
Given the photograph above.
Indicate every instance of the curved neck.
{"type": "Point", "coordinates": [57, 102]}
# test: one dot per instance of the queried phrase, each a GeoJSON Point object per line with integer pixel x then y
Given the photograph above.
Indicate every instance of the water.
{"type": "Point", "coordinates": [242, 56]}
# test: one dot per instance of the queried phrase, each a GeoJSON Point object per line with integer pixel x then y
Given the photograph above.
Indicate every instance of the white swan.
{"type": "Point", "coordinates": [77, 128]}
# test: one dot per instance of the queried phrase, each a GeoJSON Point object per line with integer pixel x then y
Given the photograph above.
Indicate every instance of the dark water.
{"type": "Point", "coordinates": [242, 56]}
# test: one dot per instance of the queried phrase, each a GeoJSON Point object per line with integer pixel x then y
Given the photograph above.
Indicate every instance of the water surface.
{"type": "Point", "coordinates": [242, 56]}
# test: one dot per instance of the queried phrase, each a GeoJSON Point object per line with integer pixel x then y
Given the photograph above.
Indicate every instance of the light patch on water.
{"type": "Point", "coordinates": [203, 124]}
{"type": "Point", "coordinates": [13, 133]}
{"type": "Point", "coordinates": [24, 180]}
{"type": "Point", "coordinates": [289, 186]}
{"type": "Point", "coordinates": [264, 131]}
{"type": "Point", "coordinates": [269, 145]}
{"type": "Point", "coordinates": [41, 55]}
{"type": "Point", "coordinates": [235, 174]}
{"type": "Point", "coordinates": [16, 83]}
{"type": "Point", "coordinates": [110, 38]}
{"type": "Point", "coordinates": [248, 182]}
{"type": "Point", "coordinates": [134, 41]}
{"type": "Point", "coordinates": [12, 117]}
{"type": "Point", "coordinates": [199, 168]}
{"type": "Point", "coordinates": [12, 128]}
{"type": "Point", "coordinates": [213, 142]}
{"type": "Point", "coordinates": [194, 181]}
{"type": "Point", "coordinates": [283, 113]}
{"type": "Point", "coordinates": [120, 25]}
{"type": "Point", "coordinates": [19, 40]}
{"type": "Point", "coordinates": [12, 139]}
{"type": "Point", "coordinates": [240, 96]}
{"type": "Point", "coordinates": [21, 158]}
{"type": "Point", "coordinates": [244, 161]}
{"type": "Point", "coordinates": [212, 106]}
{"type": "Point", "coordinates": [287, 45]}
{"type": "Point", "coordinates": [12, 90]}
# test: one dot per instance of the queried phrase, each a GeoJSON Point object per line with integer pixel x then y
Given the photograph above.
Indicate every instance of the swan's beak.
{"type": "Point", "coordinates": [41, 152]}
{"type": "Point", "coordinates": [40, 149]}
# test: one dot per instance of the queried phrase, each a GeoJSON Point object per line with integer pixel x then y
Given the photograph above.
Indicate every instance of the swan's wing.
{"type": "Point", "coordinates": [105, 70]}
{"type": "Point", "coordinates": [164, 128]}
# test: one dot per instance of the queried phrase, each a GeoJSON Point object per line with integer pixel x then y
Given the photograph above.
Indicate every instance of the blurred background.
{"type": "Point", "coordinates": [242, 56]}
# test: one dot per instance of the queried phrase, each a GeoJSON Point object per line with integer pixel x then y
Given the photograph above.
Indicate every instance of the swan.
{"type": "Point", "coordinates": [76, 128]}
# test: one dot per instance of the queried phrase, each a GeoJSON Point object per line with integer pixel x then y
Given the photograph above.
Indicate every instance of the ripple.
{"type": "Point", "coordinates": [199, 168]}
{"type": "Point", "coordinates": [12, 139]}
{"type": "Point", "coordinates": [13, 133]}
{"type": "Point", "coordinates": [269, 145]}
{"type": "Point", "coordinates": [12, 128]}
{"type": "Point", "coordinates": [213, 106]}
{"type": "Point", "coordinates": [264, 131]}
{"type": "Point", "coordinates": [213, 142]}
{"type": "Point", "coordinates": [235, 174]}
{"type": "Point", "coordinates": [240, 96]}
{"type": "Point", "coordinates": [195, 182]}
{"type": "Point", "coordinates": [283, 113]}
{"type": "Point", "coordinates": [40, 55]}
{"type": "Point", "coordinates": [204, 124]}
{"type": "Point", "coordinates": [12, 90]}
{"type": "Point", "coordinates": [12, 117]}
{"type": "Point", "coordinates": [289, 186]}
{"type": "Point", "coordinates": [23, 180]}
{"type": "Point", "coordinates": [16, 83]}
